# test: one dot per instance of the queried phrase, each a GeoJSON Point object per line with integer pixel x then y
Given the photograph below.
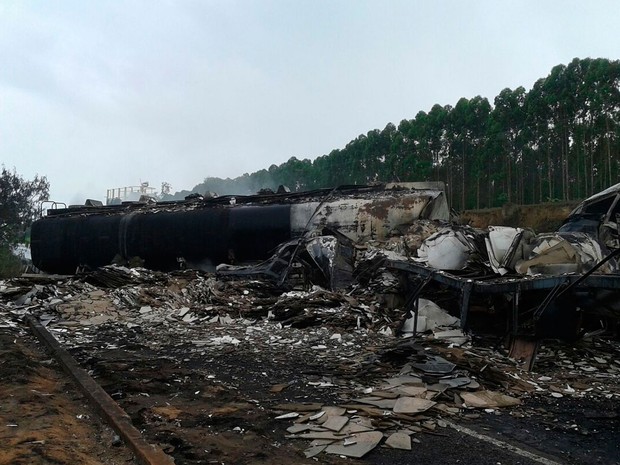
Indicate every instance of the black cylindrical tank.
{"type": "Point", "coordinates": [61, 244]}
{"type": "Point", "coordinates": [203, 236]}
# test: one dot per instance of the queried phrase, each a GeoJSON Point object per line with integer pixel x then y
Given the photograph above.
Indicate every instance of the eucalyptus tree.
{"type": "Point", "coordinates": [506, 163]}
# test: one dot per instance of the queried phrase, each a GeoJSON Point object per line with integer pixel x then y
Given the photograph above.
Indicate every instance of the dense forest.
{"type": "Point", "coordinates": [558, 141]}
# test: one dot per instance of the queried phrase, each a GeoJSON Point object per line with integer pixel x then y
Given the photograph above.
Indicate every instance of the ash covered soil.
{"type": "Point", "coordinates": [238, 373]}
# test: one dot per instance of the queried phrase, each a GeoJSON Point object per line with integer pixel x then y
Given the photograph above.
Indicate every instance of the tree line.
{"type": "Point", "coordinates": [20, 201]}
{"type": "Point", "coordinates": [557, 141]}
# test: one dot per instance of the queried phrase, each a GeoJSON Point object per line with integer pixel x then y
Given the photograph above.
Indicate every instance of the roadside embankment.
{"type": "Point", "coordinates": [544, 217]}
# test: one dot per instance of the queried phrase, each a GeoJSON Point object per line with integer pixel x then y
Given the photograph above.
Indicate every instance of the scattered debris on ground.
{"type": "Point", "coordinates": [365, 322]}
{"type": "Point", "coordinates": [346, 382]}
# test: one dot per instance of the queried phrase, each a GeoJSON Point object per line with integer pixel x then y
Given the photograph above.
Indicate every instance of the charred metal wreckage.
{"type": "Point", "coordinates": [233, 229]}
{"type": "Point", "coordinates": [505, 280]}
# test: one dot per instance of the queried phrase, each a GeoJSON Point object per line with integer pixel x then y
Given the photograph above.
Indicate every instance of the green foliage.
{"type": "Point", "coordinates": [559, 140]}
{"type": "Point", "coordinates": [10, 265]}
{"type": "Point", "coordinates": [19, 204]}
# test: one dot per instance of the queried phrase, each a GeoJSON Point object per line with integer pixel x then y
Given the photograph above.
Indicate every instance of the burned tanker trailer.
{"type": "Point", "coordinates": [202, 233]}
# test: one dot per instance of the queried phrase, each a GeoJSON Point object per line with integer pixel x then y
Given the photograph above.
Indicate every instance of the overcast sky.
{"type": "Point", "coordinates": [102, 94]}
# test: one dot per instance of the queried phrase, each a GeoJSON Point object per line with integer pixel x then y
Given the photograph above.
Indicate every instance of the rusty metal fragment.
{"type": "Point", "coordinates": [147, 454]}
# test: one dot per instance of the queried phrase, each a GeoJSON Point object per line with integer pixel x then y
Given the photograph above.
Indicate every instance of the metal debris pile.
{"type": "Point", "coordinates": [415, 400]}
{"type": "Point", "coordinates": [386, 389]}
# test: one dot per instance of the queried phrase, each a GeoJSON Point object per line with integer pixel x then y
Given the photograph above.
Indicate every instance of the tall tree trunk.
{"type": "Point", "coordinates": [509, 180]}
{"type": "Point", "coordinates": [450, 184]}
{"type": "Point", "coordinates": [550, 178]}
{"type": "Point", "coordinates": [591, 170]}
{"type": "Point", "coordinates": [564, 164]}
{"type": "Point", "coordinates": [585, 175]}
{"type": "Point", "coordinates": [540, 184]}
{"type": "Point", "coordinates": [577, 171]}
{"type": "Point", "coordinates": [490, 182]}
{"type": "Point", "coordinates": [610, 180]}
{"type": "Point", "coordinates": [521, 183]}
{"type": "Point", "coordinates": [463, 177]}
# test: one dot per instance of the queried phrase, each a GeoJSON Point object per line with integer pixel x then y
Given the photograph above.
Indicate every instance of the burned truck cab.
{"type": "Point", "coordinates": [598, 216]}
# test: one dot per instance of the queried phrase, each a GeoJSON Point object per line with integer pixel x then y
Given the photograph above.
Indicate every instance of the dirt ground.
{"type": "Point", "coordinates": [43, 418]}
{"type": "Point", "coordinates": [541, 218]}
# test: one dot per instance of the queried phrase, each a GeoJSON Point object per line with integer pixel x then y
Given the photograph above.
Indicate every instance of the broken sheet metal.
{"type": "Point", "coordinates": [526, 306]}
{"type": "Point", "coordinates": [323, 260]}
{"type": "Point", "coordinates": [559, 253]}
{"type": "Point", "coordinates": [430, 317]}
{"type": "Point", "coordinates": [551, 285]}
{"type": "Point", "coordinates": [513, 250]}
{"type": "Point", "coordinates": [502, 244]}
{"type": "Point", "coordinates": [202, 233]}
{"type": "Point", "coordinates": [453, 248]}
{"type": "Point", "coordinates": [559, 306]}
{"type": "Point", "coordinates": [412, 401]}
{"type": "Point", "coordinates": [445, 250]}
{"type": "Point", "coordinates": [548, 300]}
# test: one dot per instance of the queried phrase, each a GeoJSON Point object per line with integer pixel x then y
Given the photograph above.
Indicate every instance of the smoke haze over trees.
{"type": "Point", "coordinates": [558, 141]}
